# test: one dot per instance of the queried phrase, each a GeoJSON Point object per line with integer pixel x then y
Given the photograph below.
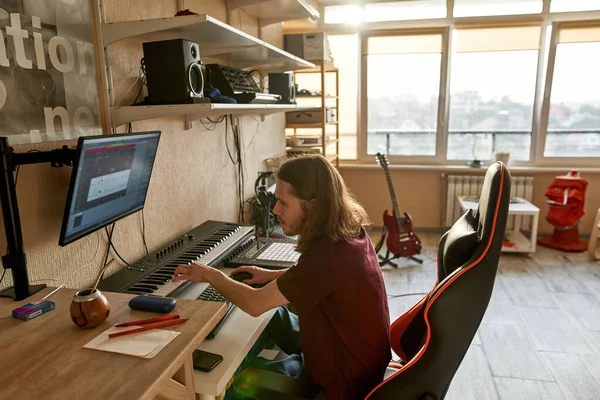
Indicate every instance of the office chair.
{"type": "Point", "coordinates": [433, 337]}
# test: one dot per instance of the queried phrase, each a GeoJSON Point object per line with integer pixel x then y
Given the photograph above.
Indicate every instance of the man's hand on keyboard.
{"type": "Point", "coordinates": [259, 275]}
{"type": "Point", "coordinates": [193, 272]}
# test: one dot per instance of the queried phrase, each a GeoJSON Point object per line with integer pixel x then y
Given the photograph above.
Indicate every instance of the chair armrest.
{"type": "Point", "coordinates": [266, 385]}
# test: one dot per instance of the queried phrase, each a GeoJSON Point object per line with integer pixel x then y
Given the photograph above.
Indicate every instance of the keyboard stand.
{"type": "Point", "coordinates": [233, 341]}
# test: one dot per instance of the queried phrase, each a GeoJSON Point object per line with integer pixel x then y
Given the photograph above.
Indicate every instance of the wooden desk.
{"type": "Point", "coordinates": [44, 358]}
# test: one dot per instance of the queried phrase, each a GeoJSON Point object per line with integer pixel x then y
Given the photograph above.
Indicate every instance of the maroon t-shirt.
{"type": "Point", "coordinates": [341, 301]}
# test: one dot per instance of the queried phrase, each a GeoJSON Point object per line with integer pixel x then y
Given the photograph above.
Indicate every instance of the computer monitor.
{"type": "Point", "coordinates": [109, 181]}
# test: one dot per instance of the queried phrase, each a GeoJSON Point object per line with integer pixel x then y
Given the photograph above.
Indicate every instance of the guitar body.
{"type": "Point", "coordinates": [401, 240]}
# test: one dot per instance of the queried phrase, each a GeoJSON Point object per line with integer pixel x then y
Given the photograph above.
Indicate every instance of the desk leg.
{"type": "Point", "coordinates": [185, 376]}
{"type": "Point", "coordinates": [181, 385]}
{"type": "Point", "coordinates": [206, 397]}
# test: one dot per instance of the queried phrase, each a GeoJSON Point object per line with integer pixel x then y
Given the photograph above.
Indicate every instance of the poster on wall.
{"type": "Point", "coordinates": [48, 89]}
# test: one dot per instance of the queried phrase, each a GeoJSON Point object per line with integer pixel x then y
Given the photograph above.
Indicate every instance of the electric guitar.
{"type": "Point", "coordinates": [401, 240]}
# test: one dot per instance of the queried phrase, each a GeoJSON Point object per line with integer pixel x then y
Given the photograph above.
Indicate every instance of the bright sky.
{"type": "Point", "coordinates": [510, 73]}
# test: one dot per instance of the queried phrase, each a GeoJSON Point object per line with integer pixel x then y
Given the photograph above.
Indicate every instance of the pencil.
{"type": "Point", "coordinates": [147, 321]}
{"type": "Point", "coordinates": [146, 328]}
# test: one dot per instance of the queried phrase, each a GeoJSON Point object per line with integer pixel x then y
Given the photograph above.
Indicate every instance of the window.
{"type": "Point", "coordinates": [384, 11]}
{"type": "Point", "coordinates": [403, 83]}
{"type": "Point", "coordinates": [574, 5]}
{"type": "Point", "coordinates": [492, 89]}
{"type": "Point", "coordinates": [477, 8]}
{"type": "Point", "coordinates": [574, 114]}
{"type": "Point", "coordinates": [349, 14]}
{"type": "Point", "coordinates": [404, 10]}
{"type": "Point", "coordinates": [344, 49]}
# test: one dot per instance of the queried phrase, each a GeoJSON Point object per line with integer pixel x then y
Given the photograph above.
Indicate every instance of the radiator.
{"type": "Point", "coordinates": [470, 185]}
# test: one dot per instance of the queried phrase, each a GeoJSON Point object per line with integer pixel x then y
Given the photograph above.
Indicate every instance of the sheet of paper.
{"type": "Point", "coordinates": [142, 344]}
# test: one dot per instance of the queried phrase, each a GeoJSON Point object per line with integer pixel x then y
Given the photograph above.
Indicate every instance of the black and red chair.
{"type": "Point", "coordinates": [433, 337]}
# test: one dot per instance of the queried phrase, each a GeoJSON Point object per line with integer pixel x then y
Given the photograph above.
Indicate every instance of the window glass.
{"type": "Point", "coordinates": [348, 14]}
{"type": "Point", "coordinates": [574, 5]}
{"type": "Point", "coordinates": [404, 10]}
{"type": "Point", "coordinates": [492, 88]}
{"type": "Point", "coordinates": [574, 115]}
{"type": "Point", "coordinates": [477, 8]}
{"type": "Point", "coordinates": [403, 79]}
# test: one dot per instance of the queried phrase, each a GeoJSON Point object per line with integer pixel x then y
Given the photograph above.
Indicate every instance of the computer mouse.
{"type": "Point", "coordinates": [241, 276]}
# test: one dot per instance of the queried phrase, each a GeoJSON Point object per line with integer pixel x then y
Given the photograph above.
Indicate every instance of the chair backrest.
{"type": "Point", "coordinates": [434, 336]}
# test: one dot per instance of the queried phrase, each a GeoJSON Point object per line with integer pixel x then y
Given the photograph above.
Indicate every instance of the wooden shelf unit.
{"type": "Point", "coordinates": [322, 68]}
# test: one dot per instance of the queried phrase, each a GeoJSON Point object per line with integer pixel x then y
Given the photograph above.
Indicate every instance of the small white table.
{"type": "Point", "coordinates": [515, 240]}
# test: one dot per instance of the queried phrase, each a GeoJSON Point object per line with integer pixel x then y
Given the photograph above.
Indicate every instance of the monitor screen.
{"type": "Point", "coordinates": [109, 181]}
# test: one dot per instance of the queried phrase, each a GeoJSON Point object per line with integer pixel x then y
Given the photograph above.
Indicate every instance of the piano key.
{"type": "Point", "coordinates": [148, 285]}
{"type": "Point", "coordinates": [140, 289]}
{"type": "Point", "coordinates": [161, 276]}
{"type": "Point", "coordinates": [152, 281]}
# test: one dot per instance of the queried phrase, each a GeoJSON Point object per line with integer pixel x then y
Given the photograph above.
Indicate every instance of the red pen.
{"type": "Point", "coordinates": [147, 321]}
{"type": "Point", "coordinates": [146, 328]}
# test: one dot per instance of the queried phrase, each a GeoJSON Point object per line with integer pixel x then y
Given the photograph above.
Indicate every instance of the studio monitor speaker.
{"type": "Point", "coordinates": [173, 72]}
{"type": "Point", "coordinates": [283, 85]}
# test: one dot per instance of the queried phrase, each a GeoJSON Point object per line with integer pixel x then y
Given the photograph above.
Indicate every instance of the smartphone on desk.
{"type": "Point", "coordinates": [205, 361]}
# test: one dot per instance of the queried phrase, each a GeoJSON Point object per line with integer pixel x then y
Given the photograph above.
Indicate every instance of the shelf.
{"type": "Point", "coordinates": [214, 38]}
{"type": "Point", "coordinates": [125, 115]}
{"type": "Point", "coordinates": [308, 126]}
{"type": "Point", "coordinates": [520, 243]}
{"type": "Point", "coordinates": [273, 11]}
{"type": "Point", "coordinates": [316, 146]}
{"type": "Point", "coordinates": [328, 67]}
{"type": "Point", "coordinates": [316, 97]}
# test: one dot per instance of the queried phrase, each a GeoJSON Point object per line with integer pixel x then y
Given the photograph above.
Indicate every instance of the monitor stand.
{"type": "Point", "coordinates": [15, 258]}
{"type": "Point", "coordinates": [10, 291]}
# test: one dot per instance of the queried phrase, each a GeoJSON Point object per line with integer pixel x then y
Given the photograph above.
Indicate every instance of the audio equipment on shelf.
{"type": "Point", "coordinates": [283, 85]}
{"type": "Point", "coordinates": [238, 84]}
{"type": "Point", "coordinates": [174, 72]}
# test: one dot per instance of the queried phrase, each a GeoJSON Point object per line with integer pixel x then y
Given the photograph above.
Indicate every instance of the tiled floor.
{"type": "Point", "coordinates": [540, 337]}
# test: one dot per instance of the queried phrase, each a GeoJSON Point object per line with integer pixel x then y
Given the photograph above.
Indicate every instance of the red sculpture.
{"type": "Point", "coordinates": [566, 196]}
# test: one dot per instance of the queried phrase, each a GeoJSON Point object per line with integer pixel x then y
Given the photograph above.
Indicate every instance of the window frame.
{"type": "Point", "coordinates": [442, 96]}
{"type": "Point", "coordinates": [545, 108]}
{"type": "Point", "coordinates": [445, 26]}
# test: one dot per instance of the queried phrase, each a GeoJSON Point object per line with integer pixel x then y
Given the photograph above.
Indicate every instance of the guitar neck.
{"type": "Point", "coordinates": [392, 192]}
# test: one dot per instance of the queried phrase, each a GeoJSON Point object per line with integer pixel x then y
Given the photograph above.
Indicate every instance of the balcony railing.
{"type": "Point", "coordinates": [462, 143]}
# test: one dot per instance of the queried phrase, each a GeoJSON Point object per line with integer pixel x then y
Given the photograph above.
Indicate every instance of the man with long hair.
{"type": "Point", "coordinates": [339, 338]}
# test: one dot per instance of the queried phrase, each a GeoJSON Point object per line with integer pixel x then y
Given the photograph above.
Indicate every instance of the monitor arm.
{"type": "Point", "coordinates": [15, 256]}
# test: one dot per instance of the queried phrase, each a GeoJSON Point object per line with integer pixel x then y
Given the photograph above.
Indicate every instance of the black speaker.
{"type": "Point", "coordinates": [283, 85]}
{"type": "Point", "coordinates": [173, 72]}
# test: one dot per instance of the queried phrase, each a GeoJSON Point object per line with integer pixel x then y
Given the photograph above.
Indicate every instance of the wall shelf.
{"type": "Point", "coordinates": [273, 11]}
{"type": "Point", "coordinates": [125, 115]}
{"type": "Point", "coordinates": [214, 38]}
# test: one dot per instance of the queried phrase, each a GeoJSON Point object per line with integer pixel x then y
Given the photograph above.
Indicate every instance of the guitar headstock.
{"type": "Point", "coordinates": [381, 159]}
